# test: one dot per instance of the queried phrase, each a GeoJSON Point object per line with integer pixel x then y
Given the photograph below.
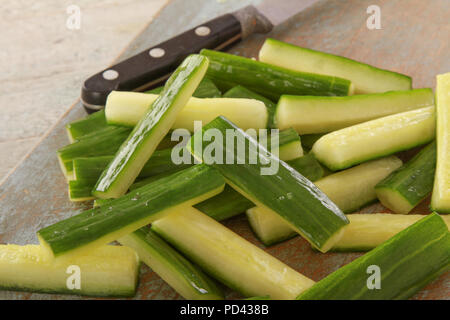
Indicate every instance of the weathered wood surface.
{"type": "Point", "coordinates": [413, 40]}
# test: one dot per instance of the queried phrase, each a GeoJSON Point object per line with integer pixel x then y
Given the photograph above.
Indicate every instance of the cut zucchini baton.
{"type": "Point", "coordinates": [151, 129]}
{"type": "Point", "coordinates": [406, 187]}
{"type": "Point", "coordinates": [228, 257]}
{"type": "Point", "coordinates": [107, 271]}
{"type": "Point", "coordinates": [440, 200]}
{"type": "Point", "coordinates": [205, 89]}
{"type": "Point", "coordinates": [127, 108]}
{"type": "Point", "coordinates": [367, 231]}
{"type": "Point", "coordinates": [366, 78]}
{"type": "Point", "coordinates": [227, 70]}
{"type": "Point", "coordinates": [119, 217]}
{"type": "Point", "coordinates": [93, 122]}
{"type": "Point", "coordinates": [376, 138]}
{"type": "Point", "coordinates": [183, 276]}
{"type": "Point", "coordinates": [282, 190]}
{"type": "Point", "coordinates": [308, 114]}
{"type": "Point", "coordinates": [80, 190]}
{"type": "Point", "coordinates": [350, 190]}
{"type": "Point", "coordinates": [406, 262]}
{"type": "Point", "coordinates": [244, 93]}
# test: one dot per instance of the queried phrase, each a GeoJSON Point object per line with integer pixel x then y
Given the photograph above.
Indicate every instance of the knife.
{"type": "Point", "coordinates": [151, 67]}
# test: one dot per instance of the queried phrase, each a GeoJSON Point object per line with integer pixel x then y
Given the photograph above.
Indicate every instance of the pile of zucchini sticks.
{"type": "Point", "coordinates": [341, 126]}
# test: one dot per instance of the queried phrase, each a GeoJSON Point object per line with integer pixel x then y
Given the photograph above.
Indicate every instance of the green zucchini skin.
{"type": "Point", "coordinates": [130, 212]}
{"type": "Point", "coordinates": [411, 183]}
{"type": "Point", "coordinates": [101, 143]}
{"type": "Point", "coordinates": [269, 80]}
{"type": "Point", "coordinates": [186, 278]}
{"type": "Point", "coordinates": [440, 199]}
{"type": "Point", "coordinates": [366, 78]}
{"type": "Point", "coordinates": [312, 115]}
{"type": "Point", "coordinates": [151, 129]}
{"type": "Point", "coordinates": [80, 190]}
{"type": "Point", "coordinates": [377, 138]}
{"type": "Point", "coordinates": [286, 193]}
{"type": "Point", "coordinates": [205, 89]}
{"type": "Point", "coordinates": [242, 92]}
{"type": "Point", "coordinates": [308, 140]}
{"type": "Point", "coordinates": [349, 189]}
{"type": "Point", "coordinates": [93, 122]}
{"type": "Point", "coordinates": [408, 261]}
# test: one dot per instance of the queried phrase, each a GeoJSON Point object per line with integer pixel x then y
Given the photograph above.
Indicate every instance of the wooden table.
{"type": "Point", "coordinates": [413, 40]}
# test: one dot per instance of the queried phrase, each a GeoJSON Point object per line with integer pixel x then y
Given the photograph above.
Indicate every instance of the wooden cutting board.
{"type": "Point", "coordinates": [413, 40]}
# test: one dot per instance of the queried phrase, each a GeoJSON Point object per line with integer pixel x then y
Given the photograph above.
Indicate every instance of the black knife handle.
{"type": "Point", "coordinates": [152, 66]}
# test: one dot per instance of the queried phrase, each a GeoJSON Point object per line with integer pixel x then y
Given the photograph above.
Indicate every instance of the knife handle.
{"type": "Point", "coordinates": [152, 66]}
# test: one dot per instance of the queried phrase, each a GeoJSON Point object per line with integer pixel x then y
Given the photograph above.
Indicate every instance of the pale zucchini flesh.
{"type": "Point", "coordinates": [366, 78]}
{"type": "Point", "coordinates": [440, 200]}
{"type": "Point", "coordinates": [127, 108]}
{"type": "Point", "coordinates": [119, 217]}
{"type": "Point", "coordinates": [228, 257]}
{"type": "Point", "coordinates": [286, 192]}
{"type": "Point", "coordinates": [309, 114]}
{"type": "Point", "coordinates": [367, 231]}
{"type": "Point", "coordinates": [108, 271]}
{"type": "Point", "coordinates": [376, 138]}
{"type": "Point", "coordinates": [406, 262]}
{"type": "Point", "coordinates": [183, 276]}
{"type": "Point", "coordinates": [151, 129]}
{"type": "Point", "coordinates": [349, 189]}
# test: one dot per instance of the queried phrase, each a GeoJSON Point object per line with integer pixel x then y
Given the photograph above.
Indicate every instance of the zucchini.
{"type": "Point", "coordinates": [308, 114]}
{"type": "Point", "coordinates": [93, 122]}
{"type": "Point", "coordinates": [242, 92]}
{"type": "Point", "coordinates": [151, 129]}
{"type": "Point", "coordinates": [80, 190]}
{"type": "Point", "coordinates": [350, 190]}
{"type": "Point", "coordinates": [407, 262]}
{"type": "Point", "coordinates": [103, 142]}
{"type": "Point", "coordinates": [285, 193]}
{"type": "Point", "coordinates": [366, 78]}
{"type": "Point", "coordinates": [108, 271]}
{"type": "Point", "coordinates": [367, 231]}
{"type": "Point", "coordinates": [127, 108]}
{"type": "Point", "coordinates": [440, 200]}
{"type": "Point", "coordinates": [183, 276]}
{"type": "Point", "coordinates": [121, 216]}
{"type": "Point", "coordinates": [206, 89]}
{"type": "Point", "coordinates": [376, 138]}
{"type": "Point", "coordinates": [229, 258]}
{"type": "Point", "coordinates": [406, 187]}
{"type": "Point", "coordinates": [227, 70]}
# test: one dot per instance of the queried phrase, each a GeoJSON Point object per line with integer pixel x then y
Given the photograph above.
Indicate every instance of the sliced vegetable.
{"type": "Point", "coordinates": [151, 129]}
{"type": "Point", "coordinates": [108, 271]}
{"type": "Point", "coordinates": [93, 122]}
{"type": "Point", "coordinates": [376, 138]}
{"type": "Point", "coordinates": [80, 190]}
{"type": "Point", "coordinates": [119, 217]}
{"type": "Point", "coordinates": [127, 108]}
{"type": "Point", "coordinates": [206, 89]}
{"type": "Point", "coordinates": [366, 78]}
{"type": "Point", "coordinates": [406, 262]}
{"type": "Point", "coordinates": [283, 190]}
{"type": "Point", "coordinates": [228, 257]}
{"type": "Point", "coordinates": [368, 231]}
{"type": "Point", "coordinates": [227, 70]}
{"type": "Point", "coordinates": [242, 92]}
{"type": "Point", "coordinates": [104, 142]}
{"type": "Point", "coordinates": [440, 200]}
{"type": "Point", "coordinates": [308, 114]}
{"type": "Point", "coordinates": [186, 278]}
{"type": "Point", "coordinates": [406, 187]}
{"type": "Point", "coordinates": [350, 190]}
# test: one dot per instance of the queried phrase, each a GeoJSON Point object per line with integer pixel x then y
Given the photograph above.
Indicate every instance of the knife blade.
{"type": "Point", "coordinates": [151, 67]}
